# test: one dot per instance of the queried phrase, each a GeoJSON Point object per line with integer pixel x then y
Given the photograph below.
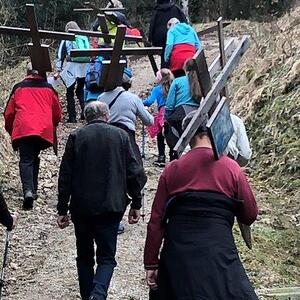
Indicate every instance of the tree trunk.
{"type": "Point", "coordinates": [185, 8]}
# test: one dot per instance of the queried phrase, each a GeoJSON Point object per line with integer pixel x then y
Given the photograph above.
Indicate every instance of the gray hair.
{"type": "Point", "coordinates": [172, 22]}
{"type": "Point", "coordinates": [96, 110]}
{"type": "Point", "coordinates": [71, 25]}
{"type": "Point", "coordinates": [30, 70]}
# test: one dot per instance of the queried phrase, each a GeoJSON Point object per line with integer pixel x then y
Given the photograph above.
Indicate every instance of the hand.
{"type": "Point", "coordinates": [56, 75]}
{"type": "Point", "coordinates": [15, 217]}
{"type": "Point", "coordinates": [151, 278]}
{"type": "Point", "coordinates": [63, 221]}
{"type": "Point", "coordinates": [134, 216]}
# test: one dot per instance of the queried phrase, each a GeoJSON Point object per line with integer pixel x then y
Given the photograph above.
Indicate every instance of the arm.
{"type": "Point", "coordinates": [171, 100]}
{"type": "Point", "coordinates": [56, 110]}
{"type": "Point", "coordinates": [65, 178]}
{"type": "Point", "coordinates": [243, 142]}
{"type": "Point", "coordinates": [134, 174]}
{"type": "Point", "coordinates": [247, 214]}
{"type": "Point", "coordinates": [151, 99]}
{"type": "Point", "coordinates": [169, 44]}
{"type": "Point", "coordinates": [155, 229]}
{"type": "Point", "coordinates": [9, 114]}
{"type": "Point", "coordinates": [143, 114]}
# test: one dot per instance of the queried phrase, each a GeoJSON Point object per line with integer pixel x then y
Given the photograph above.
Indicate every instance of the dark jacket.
{"type": "Point", "coordinates": [5, 217]}
{"type": "Point", "coordinates": [98, 168]}
{"type": "Point", "coordinates": [161, 15]}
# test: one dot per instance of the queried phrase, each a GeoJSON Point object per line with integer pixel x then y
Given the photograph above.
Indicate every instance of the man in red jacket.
{"type": "Point", "coordinates": [31, 116]}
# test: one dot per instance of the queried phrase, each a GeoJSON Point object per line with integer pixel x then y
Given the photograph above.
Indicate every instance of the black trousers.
{"type": "Point", "coordinates": [79, 85]}
{"type": "Point", "coordinates": [29, 151]}
{"type": "Point", "coordinates": [102, 230]}
{"type": "Point", "coordinates": [161, 144]}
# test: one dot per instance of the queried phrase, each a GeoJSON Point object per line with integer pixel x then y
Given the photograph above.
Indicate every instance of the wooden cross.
{"type": "Point", "coordinates": [114, 68]}
{"type": "Point", "coordinates": [39, 53]}
{"type": "Point", "coordinates": [91, 8]}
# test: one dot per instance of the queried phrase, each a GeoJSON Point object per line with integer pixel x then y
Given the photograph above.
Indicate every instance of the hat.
{"type": "Point", "coordinates": [186, 121]}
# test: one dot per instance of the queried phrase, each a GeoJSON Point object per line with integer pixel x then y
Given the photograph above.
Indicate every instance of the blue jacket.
{"type": "Point", "coordinates": [179, 94]}
{"type": "Point", "coordinates": [181, 33]}
{"type": "Point", "coordinates": [156, 94]}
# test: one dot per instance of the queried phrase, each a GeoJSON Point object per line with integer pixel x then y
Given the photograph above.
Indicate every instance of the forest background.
{"type": "Point", "coordinates": [54, 14]}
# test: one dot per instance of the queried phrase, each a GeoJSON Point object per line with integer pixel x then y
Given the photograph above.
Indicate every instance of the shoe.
{"type": "Point", "coordinates": [121, 228]}
{"type": "Point", "coordinates": [161, 159]}
{"type": "Point", "coordinates": [28, 200]}
{"type": "Point", "coordinates": [82, 118]}
{"type": "Point", "coordinates": [71, 120]}
{"type": "Point", "coordinates": [35, 196]}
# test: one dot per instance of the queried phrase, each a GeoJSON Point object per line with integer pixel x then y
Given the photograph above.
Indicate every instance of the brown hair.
{"type": "Point", "coordinates": [195, 88]}
{"type": "Point", "coordinates": [166, 80]}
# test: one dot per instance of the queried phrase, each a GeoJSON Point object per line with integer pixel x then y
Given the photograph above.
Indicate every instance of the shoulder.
{"type": "Point", "coordinates": [230, 165]}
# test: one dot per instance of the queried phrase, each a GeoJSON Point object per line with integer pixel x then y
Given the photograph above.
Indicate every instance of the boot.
{"type": "Point", "coordinates": [28, 200]}
{"type": "Point", "coordinates": [161, 160]}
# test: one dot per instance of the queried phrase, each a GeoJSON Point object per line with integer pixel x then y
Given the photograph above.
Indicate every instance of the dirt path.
{"type": "Point", "coordinates": [42, 257]}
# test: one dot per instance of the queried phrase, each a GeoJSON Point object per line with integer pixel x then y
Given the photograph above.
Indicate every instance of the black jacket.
{"type": "Point", "coordinates": [161, 15]}
{"type": "Point", "coordinates": [5, 217]}
{"type": "Point", "coordinates": [98, 168]}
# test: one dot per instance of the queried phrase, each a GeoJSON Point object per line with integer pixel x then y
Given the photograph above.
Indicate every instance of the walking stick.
{"type": "Point", "coordinates": [143, 157]}
{"type": "Point", "coordinates": [4, 264]}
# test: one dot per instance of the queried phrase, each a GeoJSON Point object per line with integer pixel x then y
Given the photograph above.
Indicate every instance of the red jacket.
{"type": "Point", "coordinates": [33, 109]}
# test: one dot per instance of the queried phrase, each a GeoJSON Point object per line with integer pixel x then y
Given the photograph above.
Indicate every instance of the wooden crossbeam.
{"type": "Point", "coordinates": [109, 51]}
{"type": "Point", "coordinates": [44, 34]}
{"type": "Point", "coordinates": [209, 100]}
{"type": "Point", "coordinates": [211, 29]}
{"type": "Point", "coordinates": [288, 293]}
{"type": "Point", "coordinates": [131, 38]}
{"type": "Point", "coordinates": [91, 8]}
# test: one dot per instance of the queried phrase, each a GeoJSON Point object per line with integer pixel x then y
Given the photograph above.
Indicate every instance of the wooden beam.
{"type": "Point", "coordinates": [211, 29]}
{"type": "Point", "coordinates": [44, 34]}
{"type": "Point", "coordinates": [224, 92]}
{"type": "Point", "coordinates": [211, 97]}
{"type": "Point", "coordinates": [109, 51]}
{"type": "Point", "coordinates": [102, 35]}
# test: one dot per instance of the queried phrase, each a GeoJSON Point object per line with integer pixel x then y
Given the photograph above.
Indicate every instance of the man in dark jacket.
{"type": "Point", "coordinates": [31, 116]}
{"type": "Point", "coordinates": [163, 12]}
{"type": "Point", "coordinates": [97, 171]}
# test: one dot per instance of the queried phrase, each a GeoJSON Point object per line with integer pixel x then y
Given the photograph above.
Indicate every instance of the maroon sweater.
{"type": "Point", "coordinates": [197, 171]}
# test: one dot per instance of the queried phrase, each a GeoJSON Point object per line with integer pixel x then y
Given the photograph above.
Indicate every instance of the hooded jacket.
{"type": "Point", "coordinates": [163, 12]}
{"type": "Point", "coordinates": [181, 33]}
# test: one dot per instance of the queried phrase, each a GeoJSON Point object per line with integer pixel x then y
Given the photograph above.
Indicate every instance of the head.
{"type": "Point", "coordinates": [189, 68]}
{"type": "Point", "coordinates": [96, 110]}
{"type": "Point", "coordinates": [201, 137]}
{"type": "Point", "coordinates": [30, 71]}
{"type": "Point", "coordinates": [71, 25]}
{"type": "Point", "coordinates": [127, 79]}
{"type": "Point", "coordinates": [165, 77]}
{"type": "Point", "coordinates": [172, 22]}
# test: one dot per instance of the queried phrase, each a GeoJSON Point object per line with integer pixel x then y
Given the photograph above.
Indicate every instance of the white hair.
{"type": "Point", "coordinates": [172, 22]}
{"type": "Point", "coordinates": [96, 110]}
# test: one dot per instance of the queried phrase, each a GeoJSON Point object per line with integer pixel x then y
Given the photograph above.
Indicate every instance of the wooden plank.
{"type": "Point", "coordinates": [104, 28]}
{"type": "Point", "coordinates": [202, 72]}
{"type": "Point", "coordinates": [216, 64]}
{"type": "Point", "coordinates": [115, 70]}
{"type": "Point", "coordinates": [44, 34]}
{"type": "Point", "coordinates": [224, 92]}
{"type": "Point", "coordinates": [31, 18]}
{"type": "Point", "coordinates": [102, 10]}
{"type": "Point", "coordinates": [211, 97]}
{"type": "Point", "coordinates": [109, 51]}
{"type": "Point", "coordinates": [40, 58]}
{"type": "Point", "coordinates": [99, 34]}
{"type": "Point", "coordinates": [151, 57]}
{"type": "Point", "coordinates": [211, 29]}
{"type": "Point", "coordinates": [288, 293]}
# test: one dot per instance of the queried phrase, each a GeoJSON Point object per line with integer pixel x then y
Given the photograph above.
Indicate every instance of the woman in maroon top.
{"type": "Point", "coordinates": [193, 211]}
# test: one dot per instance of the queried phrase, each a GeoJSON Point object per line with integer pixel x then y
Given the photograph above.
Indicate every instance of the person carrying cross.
{"type": "Point", "coordinates": [32, 114]}
{"type": "Point", "coordinates": [193, 211]}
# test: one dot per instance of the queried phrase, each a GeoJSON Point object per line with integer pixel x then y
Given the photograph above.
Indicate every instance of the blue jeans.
{"type": "Point", "coordinates": [103, 231]}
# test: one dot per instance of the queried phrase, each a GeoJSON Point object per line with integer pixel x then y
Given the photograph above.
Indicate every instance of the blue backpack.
{"type": "Point", "coordinates": [93, 75]}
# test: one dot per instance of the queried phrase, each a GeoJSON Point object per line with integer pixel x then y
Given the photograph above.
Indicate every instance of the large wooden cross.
{"type": "Point", "coordinates": [39, 53]}
{"type": "Point", "coordinates": [114, 68]}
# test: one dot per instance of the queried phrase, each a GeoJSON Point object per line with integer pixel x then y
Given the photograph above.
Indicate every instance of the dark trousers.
{"type": "Point", "coordinates": [29, 150]}
{"type": "Point", "coordinates": [79, 84]}
{"type": "Point", "coordinates": [103, 231]}
{"type": "Point", "coordinates": [161, 144]}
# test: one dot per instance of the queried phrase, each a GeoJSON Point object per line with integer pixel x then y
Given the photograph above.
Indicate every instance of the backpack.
{"type": "Point", "coordinates": [93, 75]}
{"type": "Point", "coordinates": [81, 42]}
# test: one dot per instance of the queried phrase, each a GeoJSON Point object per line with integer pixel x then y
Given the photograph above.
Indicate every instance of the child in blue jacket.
{"type": "Point", "coordinates": [159, 94]}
